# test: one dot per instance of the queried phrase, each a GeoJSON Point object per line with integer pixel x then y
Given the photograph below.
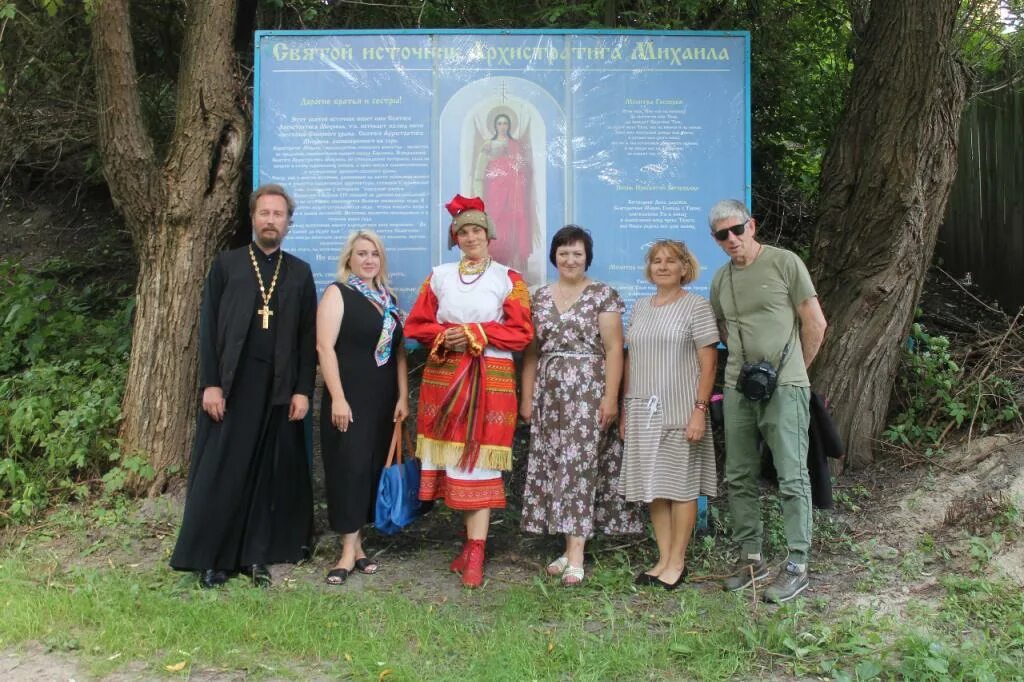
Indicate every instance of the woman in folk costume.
{"type": "Point", "coordinates": [472, 315]}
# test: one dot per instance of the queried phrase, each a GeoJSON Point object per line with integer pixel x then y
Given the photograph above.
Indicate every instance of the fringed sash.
{"type": "Point", "coordinates": [463, 402]}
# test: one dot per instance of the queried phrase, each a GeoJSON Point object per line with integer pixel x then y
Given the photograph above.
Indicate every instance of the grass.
{"type": "Point", "coordinates": [604, 631]}
{"type": "Point", "coordinates": [520, 633]}
{"type": "Point", "coordinates": [92, 581]}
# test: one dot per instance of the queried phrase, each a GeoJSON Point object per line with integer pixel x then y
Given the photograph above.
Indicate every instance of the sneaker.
{"type": "Point", "coordinates": [790, 582]}
{"type": "Point", "coordinates": [744, 573]}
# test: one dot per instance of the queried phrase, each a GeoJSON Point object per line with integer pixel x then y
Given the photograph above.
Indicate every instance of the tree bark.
{"type": "Point", "coordinates": [884, 185]}
{"type": "Point", "coordinates": [179, 214]}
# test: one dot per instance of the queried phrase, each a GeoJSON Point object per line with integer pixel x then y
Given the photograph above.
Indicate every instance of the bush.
{"type": "Point", "coordinates": [63, 357]}
{"type": "Point", "coordinates": [934, 394]}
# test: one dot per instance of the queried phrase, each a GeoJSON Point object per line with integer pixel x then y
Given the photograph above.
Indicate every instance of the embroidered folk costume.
{"type": "Point", "coordinates": [467, 411]}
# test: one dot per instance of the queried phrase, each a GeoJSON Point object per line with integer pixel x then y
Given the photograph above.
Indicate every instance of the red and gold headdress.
{"type": "Point", "coordinates": [468, 211]}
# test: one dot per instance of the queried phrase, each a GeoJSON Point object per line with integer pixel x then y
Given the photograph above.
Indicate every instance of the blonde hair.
{"type": "Point", "coordinates": [381, 280]}
{"type": "Point", "coordinates": [691, 268]}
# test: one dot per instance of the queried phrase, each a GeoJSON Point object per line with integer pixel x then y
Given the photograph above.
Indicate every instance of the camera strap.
{"type": "Point", "coordinates": [739, 327]}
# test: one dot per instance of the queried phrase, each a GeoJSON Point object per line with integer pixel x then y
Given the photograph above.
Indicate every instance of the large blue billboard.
{"type": "Point", "coordinates": [631, 135]}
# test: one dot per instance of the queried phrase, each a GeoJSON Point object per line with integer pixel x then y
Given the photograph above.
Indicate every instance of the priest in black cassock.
{"type": "Point", "coordinates": [250, 500]}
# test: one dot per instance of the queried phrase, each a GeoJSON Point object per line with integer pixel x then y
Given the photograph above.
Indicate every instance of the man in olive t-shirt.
{"type": "Point", "coordinates": [767, 309]}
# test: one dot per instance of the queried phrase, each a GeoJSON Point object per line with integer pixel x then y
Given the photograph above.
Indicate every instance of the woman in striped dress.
{"type": "Point", "coordinates": [669, 457]}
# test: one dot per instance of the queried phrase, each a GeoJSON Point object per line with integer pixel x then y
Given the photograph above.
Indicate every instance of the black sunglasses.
{"type": "Point", "coordinates": [722, 235]}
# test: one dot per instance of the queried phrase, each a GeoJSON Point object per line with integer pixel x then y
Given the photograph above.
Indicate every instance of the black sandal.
{"type": "Point", "coordinates": [337, 576]}
{"type": "Point", "coordinates": [367, 566]}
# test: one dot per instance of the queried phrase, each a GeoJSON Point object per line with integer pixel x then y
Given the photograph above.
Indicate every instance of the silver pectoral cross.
{"type": "Point", "coordinates": [265, 312]}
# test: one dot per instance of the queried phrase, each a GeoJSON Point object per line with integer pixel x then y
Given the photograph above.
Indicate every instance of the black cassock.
{"type": "Point", "coordinates": [249, 492]}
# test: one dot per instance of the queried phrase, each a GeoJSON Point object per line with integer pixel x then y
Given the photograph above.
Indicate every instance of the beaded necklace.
{"type": "Point", "coordinates": [478, 268]}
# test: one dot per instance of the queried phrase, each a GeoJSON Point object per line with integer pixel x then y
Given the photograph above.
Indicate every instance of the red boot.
{"type": "Point", "coordinates": [473, 573]}
{"type": "Point", "coordinates": [458, 564]}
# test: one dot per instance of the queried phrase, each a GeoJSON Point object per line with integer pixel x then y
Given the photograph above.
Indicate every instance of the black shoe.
{"type": "Point", "coordinates": [260, 575]}
{"type": "Point", "coordinates": [211, 578]}
{"type": "Point", "coordinates": [337, 576]}
{"type": "Point", "coordinates": [671, 586]}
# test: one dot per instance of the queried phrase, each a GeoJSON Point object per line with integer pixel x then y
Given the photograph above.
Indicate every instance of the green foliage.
{"type": "Point", "coordinates": [932, 396]}
{"type": "Point", "coordinates": [63, 357]}
{"type": "Point", "coordinates": [45, 317]}
{"type": "Point", "coordinates": [852, 498]}
{"type": "Point", "coordinates": [983, 549]}
{"type": "Point", "coordinates": [113, 618]}
{"type": "Point", "coordinates": [47, 99]}
{"type": "Point", "coordinates": [800, 67]}
{"type": "Point", "coordinates": [51, 7]}
{"type": "Point", "coordinates": [991, 41]}
{"type": "Point", "coordinates": [978, 634]}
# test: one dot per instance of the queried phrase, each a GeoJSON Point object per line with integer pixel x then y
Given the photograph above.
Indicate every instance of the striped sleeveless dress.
{"type": "Point", "coordinates": [658, 461]}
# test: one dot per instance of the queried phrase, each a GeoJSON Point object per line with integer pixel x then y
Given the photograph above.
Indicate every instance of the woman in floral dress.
{"type": "Point", "coordinates": [571, 376]}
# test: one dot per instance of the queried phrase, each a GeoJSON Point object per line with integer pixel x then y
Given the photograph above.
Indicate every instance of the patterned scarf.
{"type": "Point", "coordinates": [382, 353]}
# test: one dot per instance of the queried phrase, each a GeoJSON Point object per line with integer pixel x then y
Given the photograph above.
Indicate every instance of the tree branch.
{"type": "Point", "coordinates": [129, 163]}
{"type": "Point", "coordinates": [209, 135]}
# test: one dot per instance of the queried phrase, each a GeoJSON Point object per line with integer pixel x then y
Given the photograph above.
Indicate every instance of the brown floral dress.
{"type": "Point", "coordinates": [573, 472]}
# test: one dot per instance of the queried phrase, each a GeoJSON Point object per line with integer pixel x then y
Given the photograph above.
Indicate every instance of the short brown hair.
{"type": "Point", "coordinates": [271, 189]}
{"type": "Point", "coordinates": [691, 268]}
{"type": "Point", "coordinates": [569, 235]}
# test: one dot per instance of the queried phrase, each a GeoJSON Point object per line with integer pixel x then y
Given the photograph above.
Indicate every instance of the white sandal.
{"type": "Point", "coordinates": [557, 566]}
{"type": "Point", "coordinates": [572, 576]}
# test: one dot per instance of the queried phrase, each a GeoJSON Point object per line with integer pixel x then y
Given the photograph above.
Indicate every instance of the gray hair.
{"type": "Point", "coordinates": [728, 209]}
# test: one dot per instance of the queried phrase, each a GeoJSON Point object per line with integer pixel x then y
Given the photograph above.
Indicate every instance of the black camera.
{"type": "Point", "coordinates": [757, 380]}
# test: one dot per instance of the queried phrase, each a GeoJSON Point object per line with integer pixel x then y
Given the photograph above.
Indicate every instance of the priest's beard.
{"type": "Point", "coordinates": [268, 240]}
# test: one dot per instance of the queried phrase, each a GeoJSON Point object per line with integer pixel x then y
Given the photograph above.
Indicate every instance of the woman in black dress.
{"type": "Point", "coordinates": [359, 343]}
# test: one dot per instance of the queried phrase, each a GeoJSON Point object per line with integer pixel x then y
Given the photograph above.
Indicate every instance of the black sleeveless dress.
{"type": "Point", "coordinates": [353, 459]}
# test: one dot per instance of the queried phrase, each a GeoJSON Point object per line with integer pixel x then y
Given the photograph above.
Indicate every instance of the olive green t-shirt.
{"type": "Point", "coordinates": [768, 292]}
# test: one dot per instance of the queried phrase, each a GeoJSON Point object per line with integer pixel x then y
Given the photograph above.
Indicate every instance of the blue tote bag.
{"type": "Point", "coordinates": [398, 503]}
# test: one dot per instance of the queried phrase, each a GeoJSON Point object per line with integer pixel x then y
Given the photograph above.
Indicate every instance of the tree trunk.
{"type": "Point", "coordinates": [884, 186]}
{"type": "Point", "coordinates": [179, 214]}
{"type": "Point", "coordinates": [611, 14]}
